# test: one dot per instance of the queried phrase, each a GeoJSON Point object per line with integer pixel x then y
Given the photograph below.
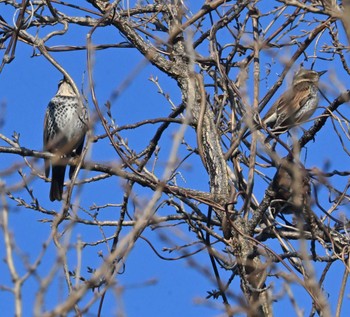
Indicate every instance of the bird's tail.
{"type": "Point", "coordinates": [57, 182]}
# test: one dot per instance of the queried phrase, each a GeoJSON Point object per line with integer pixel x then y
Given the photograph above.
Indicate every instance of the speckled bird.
{"type": "Point", "coordinates": [297, 104]}
{"type": "Point", "coordinates": [65, 126]}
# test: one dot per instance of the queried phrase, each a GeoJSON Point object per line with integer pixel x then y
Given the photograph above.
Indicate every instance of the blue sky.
{"type": "Point", "coordinates": [149, 286]}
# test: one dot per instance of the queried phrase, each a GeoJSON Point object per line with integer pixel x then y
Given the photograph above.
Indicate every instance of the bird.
{"type": "Point", "coordinates": [292, 188]}
{"type": "Point", "coordinates": [65, 127]}
{"type": "Point", "coordinates": [297, 104]}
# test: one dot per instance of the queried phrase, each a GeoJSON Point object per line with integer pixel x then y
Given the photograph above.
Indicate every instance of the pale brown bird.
{"type": "Point", "coordinates": [297, 104]}
{"type": "Point", "coordinates": [65, 126]}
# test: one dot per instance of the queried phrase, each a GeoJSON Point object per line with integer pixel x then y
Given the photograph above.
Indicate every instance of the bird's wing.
{"type": "Point", "coordinates": [271, 116]}
{"type": "Point", "coordinates": [302, 95]}
{"type": "Point", "coordinates": [294, 103]}
{"type": "Point", "coordinates": [280, 115]}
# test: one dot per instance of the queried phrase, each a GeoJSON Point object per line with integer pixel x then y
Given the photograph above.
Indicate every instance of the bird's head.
{"type": "Point", "coordinates": [65, 88]}
{"type": "Point", "coordinates": [307, 75]}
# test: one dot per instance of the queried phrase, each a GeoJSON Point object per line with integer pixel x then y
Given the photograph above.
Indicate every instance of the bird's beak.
{"type": "Point", "coordinates": [322, 72]}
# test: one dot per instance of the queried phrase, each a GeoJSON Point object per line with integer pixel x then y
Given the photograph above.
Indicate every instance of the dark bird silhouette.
{"type": "Point", "coordinates": [65, 126]}
{"type": "Point", "coordinates": [292, 188]}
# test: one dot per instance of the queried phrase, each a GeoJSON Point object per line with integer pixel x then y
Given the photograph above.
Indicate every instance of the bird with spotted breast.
{"type": "Point", "coordinates": [297, 104]}
{"type": "Point", "coordinates": [65, 127]}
